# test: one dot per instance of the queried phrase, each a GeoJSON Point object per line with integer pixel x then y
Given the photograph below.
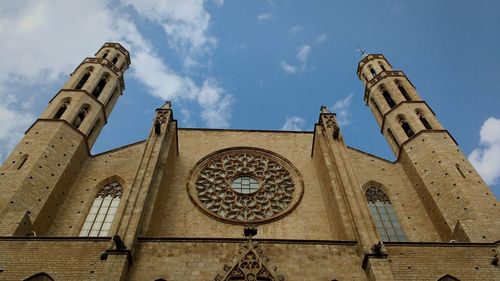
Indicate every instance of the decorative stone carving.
{"type": "Point", "coordinates": [374, 194]}
{"type": "Point", "coordinates": [161, 117]}
{"type": "Point", "coordinates": [249, 265]}
{"type": "Point", "coordinates": [280, 185]}
{"type": "Point", "coordinates": [113, 189]}
{"type": "Point", "coordinates": [329, 122]}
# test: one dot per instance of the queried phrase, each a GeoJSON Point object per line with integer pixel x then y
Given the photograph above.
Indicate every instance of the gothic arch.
{"type": "Point", "coordinates": [102, 212]}
{"type": "Point", "coordinates": [42, 276]}
{"type": "Point", "coordinates": [383, 213]}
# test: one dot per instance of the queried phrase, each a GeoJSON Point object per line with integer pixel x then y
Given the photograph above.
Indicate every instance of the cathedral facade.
{"type": "Point", "coordinates": [212, 204]}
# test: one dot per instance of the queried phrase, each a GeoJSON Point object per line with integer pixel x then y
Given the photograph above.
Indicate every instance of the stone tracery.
{"type": "Point", "coordinates": [280, 185]}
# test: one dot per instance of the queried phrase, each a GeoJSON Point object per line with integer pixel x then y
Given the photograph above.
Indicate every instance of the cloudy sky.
{"type": "Point", "coordinates": [259, 64]}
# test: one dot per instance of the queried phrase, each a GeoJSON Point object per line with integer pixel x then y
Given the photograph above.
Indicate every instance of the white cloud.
{"type": "Point", "coordinates": [303, 53]}
{"type": "Point", "coordinates": [295, 29]}
{"type": "Point", "coordinates": [186, 22]}
{"type": "Point", "coordinates": [293, 123]}
{"type": "Point", "coordinates": [322, 38]}
{"type": "Point", "coordinates": [12, 123]}
{"type": "Point", "coordinates": [486, 158]}
{"type": "Point", "coordinates": [43, 41]}
{"type": "Point", "coordinates": [342, 110]}
{"type": "Point", "coordinates": [264, 16]}
{"type": "Point", "coordinates": [288, 68]}
{"type": "Point", "coordinates": [219, 3]}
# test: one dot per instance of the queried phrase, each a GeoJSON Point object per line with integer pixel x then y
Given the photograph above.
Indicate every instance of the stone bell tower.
{"type": "Point", "coordinates": [36, 176]}
{"type": "Point", "coordinates": [458, 201]}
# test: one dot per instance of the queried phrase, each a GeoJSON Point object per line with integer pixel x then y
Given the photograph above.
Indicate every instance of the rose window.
{"type": "Point", "coordinates": [244, 185]}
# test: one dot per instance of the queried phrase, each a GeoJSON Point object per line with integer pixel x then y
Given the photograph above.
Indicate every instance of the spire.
{"type": "Point", "coordinates": [361, 51]}
{"type": "Point", "coordinates": [167, 105]}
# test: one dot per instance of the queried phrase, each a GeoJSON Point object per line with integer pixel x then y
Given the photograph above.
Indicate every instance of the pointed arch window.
{"type": "Point", "coordinates": [100, 86]}
{"type": "Point", "coordinates": [387, 97]}
{"type": "Point", "coordinates": [84, 78]}
{"type": "Point", "coordinates": [84, 110]}
{"type": "Point", "coordinates": [62, 109]}
{"type": "Point", "coordinates": [423, 120]}
{"type": "Point", "coordinates": [115, 59]}
{"type": "Point", "coordinates": [39, 277]}
{"type": "Point", "coordinates": [372, 71]}
{"type": "Point", "coordinates": [406, 127]}
{"type": "Point", "coordinates": [402, 90]}
{"type": "Point", "coordinates": [103, 210]}
{"type": "Point", "coordinates": [105, 54]}
{"type": "Point", "coordinates": [381, 65]}
{"type": "Point", "coordinates": [384, 215]}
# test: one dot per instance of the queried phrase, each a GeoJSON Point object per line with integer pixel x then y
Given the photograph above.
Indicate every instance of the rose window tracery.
{"type": "Point", "coordinates": [245, 185]}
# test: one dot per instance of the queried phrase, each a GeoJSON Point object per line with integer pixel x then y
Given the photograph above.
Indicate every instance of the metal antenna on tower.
{"type": "Point", "coordinates": [361, 51]}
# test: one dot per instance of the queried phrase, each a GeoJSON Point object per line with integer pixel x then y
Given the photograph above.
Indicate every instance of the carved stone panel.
{"type": "Point", "coordinates": [280, 185]}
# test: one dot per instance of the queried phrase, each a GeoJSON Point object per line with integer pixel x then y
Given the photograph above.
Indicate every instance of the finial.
{"type": "Point", "coordinates": [167, 105]}
{"type": "Point", "coordinates": [361, 51]}
{"type": "Point", "coordinates": [324, 109]}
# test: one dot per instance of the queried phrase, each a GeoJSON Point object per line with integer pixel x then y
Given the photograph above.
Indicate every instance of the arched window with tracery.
{"type": "Point", "coordinates": [84, 110]}
{"type": "Point", "coordinates": [103, 210]}
{"type": "Point", "coordinates": [84, 78]}
{"type": "Point", "coordinates": [100, 85]}
{"type": "Point", "coordinates": [423, 120]}
{"type": "Point", "coordinates": [62, 109]}
{"type": "Point", "coordinates": [39, 277]}
{"type": "Point", "coordinates": [384, 215]}
{"type": "Point", "coordinates": [406, 127]}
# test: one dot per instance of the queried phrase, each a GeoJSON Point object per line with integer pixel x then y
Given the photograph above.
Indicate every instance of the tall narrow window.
{"type": "Point", "coordinates": [403, 91]}
{"type": "Point", "coordinates": [459, 169]}
{"type": "Point", "coordinates": [423, 120]}
{"type": "Point", "coordinates": [103, 210]}
{"type": "Point", "coordinates": [100, 86]}
{"type": "Point", "coordinates": [393, 138]}
{"type": "Point", "coordinates": [22, 161]}
{"type": "Point", "coordinates": [372, 71]}
{"type": "Point", "coordinates": [105, 55]}
{"type": "Point", "coordinates": [376, 107]}
{"type": "Point", "coordinates": [115, 59]}
{"type": "Point", "coordinates": [388, 98]}
{"type": "Point", "coordinates": [62, 109]}
{"type": "Point", "coordinates": [384, 215]}
{"type": "Point", "coordinates": [406, 127]}
{"type": "Point", "coordinates": [84, 110]}
{"type": "Point", "coordinates": [84, 79]}
{"type": "Point", "coordinates": [381, 66]}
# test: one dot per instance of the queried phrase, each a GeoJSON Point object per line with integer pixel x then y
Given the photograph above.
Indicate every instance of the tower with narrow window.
{"type": "Point", "coordinates": [454, 195]}
{"type": "Point", "coordinates": [38, 172]}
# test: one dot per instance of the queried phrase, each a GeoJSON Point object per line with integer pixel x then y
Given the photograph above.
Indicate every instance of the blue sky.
{"type": "Point", "coordinates": [260, 64]}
